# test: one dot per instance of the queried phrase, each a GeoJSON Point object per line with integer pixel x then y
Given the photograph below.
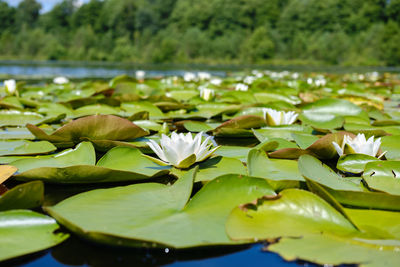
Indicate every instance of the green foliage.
{"type": "Point", "coordinates": [344, 32]}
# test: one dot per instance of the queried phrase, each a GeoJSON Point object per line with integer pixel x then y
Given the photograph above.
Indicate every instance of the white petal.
{"type": "Point", "coordinates": [208, 154]}
{"type": "Point", "coordinates": [339, 150]}
{"type": "Point", "coordinates": [171, 155]}
{"type": "Point", "coordinates": [377, 145]}
{"type": "Point", "coordinates": [157, 149]}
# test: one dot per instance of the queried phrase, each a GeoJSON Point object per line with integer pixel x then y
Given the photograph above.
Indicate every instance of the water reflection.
{"type": "Point", "coordinates": [75, 252]}
{"type": "Point", "coordinates": [35, 70]}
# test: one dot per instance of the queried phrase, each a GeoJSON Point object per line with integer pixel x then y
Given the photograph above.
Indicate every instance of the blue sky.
{"type": "Point", "coordinates": [46, 4]}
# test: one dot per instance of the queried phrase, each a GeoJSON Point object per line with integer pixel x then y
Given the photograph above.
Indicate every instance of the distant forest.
{"type": "Point", "coordinates": [341, 32]}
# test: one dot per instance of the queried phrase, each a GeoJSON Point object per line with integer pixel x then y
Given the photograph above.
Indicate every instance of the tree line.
{"type": "Point", "coordinates": [343, 32]}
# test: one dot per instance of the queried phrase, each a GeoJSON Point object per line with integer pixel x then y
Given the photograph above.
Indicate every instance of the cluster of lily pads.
{"type": "Point", "coordinates": [308, 163]}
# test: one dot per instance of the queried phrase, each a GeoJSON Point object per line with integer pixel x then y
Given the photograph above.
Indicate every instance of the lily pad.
{"type": "Point", "coordinates": [343, 189]}
{"type": "Point", "coordinates": [79, 166]}
{"type": "Point", "coordinates": [24, 196]}
{"type": "Point", "coordinates": [322, 121]}
{"type": "Point", "coordinates": [334, 250]}
{"type": "Point", "coordinates": [391, 144]}
{"type": "Point", "coordinates": [157, 214]}
{"type": "Point", "coordinates": [237, 152]}
{"type": "Point", "coordinates": [322, 148]}
{"type": "Point", "coordinates": [24, 147]}
{"type": "Point", "coordinates": [19, 118]}
{"type": "Point", "coordinates": [304, 140]}
{"type": "Point", "coordinates": [279, 173]}
{"type": "Point", "coordinates": [10, 133]}
{"type": "Point", "coordinates": [338, 107]}
{"type": "Point", "coordinates": [354, 163]}
{"type": "Point", "coordinates": [23, 232]}
{"type": "Point", "coordinates": [93, 128]}
{"type": "Point", "coordinates": [215, 167]}
{"type": "Point", "coordinates": [135, 107]}
{"type": "Point", "coordinates": [240, 123]}
{"type": "Point", "coordinates": [293, 212]}
{"type": "Point", "coordinates": [197, 126]}
{"type": "Point", "coordinates": [284, 131]}
{"type": "Point", "coordinates": [382, 169]}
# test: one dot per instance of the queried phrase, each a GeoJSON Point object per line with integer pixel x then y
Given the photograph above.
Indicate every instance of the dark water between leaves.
{"type": "Point", "coordinates": [75, 252]}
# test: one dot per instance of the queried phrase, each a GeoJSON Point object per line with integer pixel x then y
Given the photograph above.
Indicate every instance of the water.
{"type": "Point", "coordinates": [48, 70]}
{"type": "Point", "coordinates": [74, 252]}
{"type": "Point", "coordinates": [28, 70]}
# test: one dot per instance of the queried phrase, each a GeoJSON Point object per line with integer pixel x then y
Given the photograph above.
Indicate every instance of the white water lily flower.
{"type": "Point", "coordinates": [216, 81]}
{"type": "Point", "coordinates": [60, 80]}
{"type": "Point", "coordinates": [249, 79]}
{"type": "Point", "coordinates": [140, 74]}
{"type": "Point", "coordinates": [189, 77]}
{"type": "Point", "coordinates": [241, 87]}
{"type": "Point", "coordinates": [11, 86]}
{"type": "Point", "coordinates": [207, 94]}
{"type": "Point", "coordinates": [204, 76]}
{"type": "Point", "coordinates": [182, 150]}
{"type": "Point", "coordinates": [360, 145]}
{"type": "Point", "coordinates": [275, 117]}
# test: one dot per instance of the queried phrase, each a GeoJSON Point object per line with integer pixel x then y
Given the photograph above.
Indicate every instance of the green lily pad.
{"type": "Point", "coordinates": [183, 95]}
{"type": "Point", "coordinates": [79, 166]}
{"type": "Point", "coordinates": [148, 125]}
{"type": "Point", "coordinates": [322, 121]}
{"type": "Point", "coordinates": [23, 232]}
{"type": "Point", "coordinates": [383, 176]}
{"type": "Point", "coordinates": [279, 173]}
{"type": "Point", "coordinates": [135, 107]}
{"type": "Point", "coordinates": [215, 167]}
{"type": "Point", "coordinates": [96, 109]}
{"type": "Point", "coordinates": [24, 147]}
{"type": "Point", "coordinates": [343, 189]}
{"type": "Point", "coordinates": [55, 109]}
{"type": "Point", "coordinates": [24, 196]}
{"type": "Point", "coordinates": [372, 130]}
{"type": "Point", "coordinates": [237, 152]}
{"type": "Point", "coordinates": [391, 144]}
{"type": "Point", "coordinates": [338, 107]}
{"type": "Point", "coordinates": [159, 214]}
{"type": "Point", "coordinates": [272, 97]}
{"type": "Point", "coordinates": [93, 128]}
{"type": "Point", "coordinates": [328, 249]}
{"type": "Point", "coordinates": [354, 163]}
{"type": "Point", "coordinates": [377, 223]}
{"type": "Point", "coordinates": [83, 154]}
{"type": "Point", "coordinates": [316, 171]}
{"type": "Point", "coordinates": [15, 133]}
{"type": "Point", "coordinates": [197, 126]}
{"type": "Point", "coordinates": [210, 110]}
{"type": "Point", "coordinates": [382, 169]}
{"type": "Point", "coordinates": [282, 143]}
{"type": "Point", "coordinates": [238, 126]}
{"type": "Point", "coordinates": [11, 102]}
{"type": "Point", "coordinates": [19, 118]}
{"type": "Point", "coordinates": [293, 212]}
{"type": "Point", "coordinates": [304, 140]}
{"type": "Point", "coordinates": [322, 148]}
{"type": "Point", "coordinates": [284, 131]}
